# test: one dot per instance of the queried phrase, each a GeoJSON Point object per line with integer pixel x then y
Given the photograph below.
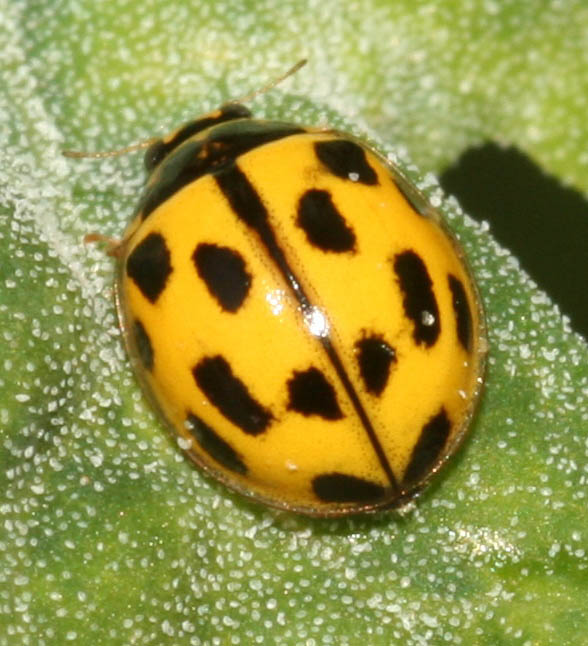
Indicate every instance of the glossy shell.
{"type": "Point", "coordinates": [299, 315]}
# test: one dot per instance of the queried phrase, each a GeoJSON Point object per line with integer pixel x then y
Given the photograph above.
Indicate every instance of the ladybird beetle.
{"type": "Point", "coordinates": [298, 314]}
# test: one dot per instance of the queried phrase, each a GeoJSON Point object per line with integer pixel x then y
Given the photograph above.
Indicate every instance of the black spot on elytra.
{"type": "Point", "coordinates": [323, 224]}
{"type": "Point", "coordinates": [340, 487]}
{"type": "Point", "coordinates": [230, 395]}
{"type": "Point", "coordinates": [143, 344]}
{"type": "Point", "coordinates": [211, 154]}
{"type": "Point", "coordinates": [312, 394]}
{"type": "Point", "coordinates": [346, 159]}
{"type": "Point", "coordinates": [223, 271]}
{"type": "Point", "coordinates": [248, 206]}
{"type": "Point", "coordinates": [419, 302]}
{"type": "Point", "coordinates": [214, 445]}
{"type": "Point", "coordinates": [428, 449]}
{"type": "Point", "coordinates": [463, 314]}
{"type": "Point", "coordinates": [375, 357]}
{"type": "Point", "coordinates": [149, 266]}
{"type": "Point", "coordinates": [242, 197]}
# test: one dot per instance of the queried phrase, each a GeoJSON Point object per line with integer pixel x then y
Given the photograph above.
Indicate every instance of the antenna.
{"type": "Point", "coordinates": [272, 84]}
{"type": "Point", "coordinates": [79, 154]}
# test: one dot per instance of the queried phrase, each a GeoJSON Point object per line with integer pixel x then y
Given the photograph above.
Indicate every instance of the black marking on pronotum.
{"type": "Point", "coordinates": [428, 449]}
{"type": "Point", "coordinates": [341, 487]}
{"type": "Point", "coordinates": [323, 224]}
{"type": "Point", "coordinates": [214, 445]}
{"type": "Point", "coordinates": [149, 265]}
{"type": "Point", "coordinates": [199, 157]}
{"type": "Point", "coordinates": [312, 394]}
{"type": "Point", "coordinates": [463, 314]}
{"type": "Point", "coordinates": [223, 271]}
{"type": "Point", "coordinates": [142, 344]}
{"type": "Point", "coordinates": [249, 208]}
{"type": "Point", "coordinates": [419, 302]}
{"type": "Point", "coordinates": [230, 395]}
{"type": "Point", "coordinates": [162, 147]}
{"type": "Point", "coordinates": [347, 160]}
{"type": "Point", "coordinates": [374, 357]}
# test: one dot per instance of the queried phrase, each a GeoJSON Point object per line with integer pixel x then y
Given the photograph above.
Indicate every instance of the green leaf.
{"type": "Point", "coordinates": [108, 535]}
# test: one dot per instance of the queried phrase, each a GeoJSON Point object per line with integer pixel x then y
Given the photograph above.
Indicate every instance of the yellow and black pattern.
{"type": "Point", "coordinates": [296, 316]}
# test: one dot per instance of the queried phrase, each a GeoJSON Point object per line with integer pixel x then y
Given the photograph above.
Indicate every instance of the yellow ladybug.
{"type": "Point", "coordinates": [299, 315]}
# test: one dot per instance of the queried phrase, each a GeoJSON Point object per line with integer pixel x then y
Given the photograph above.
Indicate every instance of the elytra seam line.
{"type": "Point", "coordinates": [248, 207]}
